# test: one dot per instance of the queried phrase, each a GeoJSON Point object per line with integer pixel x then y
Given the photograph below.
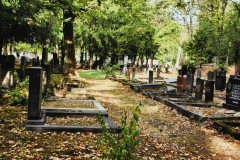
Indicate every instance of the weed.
{"type": "Point", "coordinates": [121, 146]}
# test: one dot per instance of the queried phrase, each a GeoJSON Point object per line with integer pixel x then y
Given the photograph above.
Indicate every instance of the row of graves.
{"type": "Point", "coordinates": [63, 114]}
{"type": "Point", "coordinates": [45, 111]}
{"type": "Point", "coordinates": [196, 98]}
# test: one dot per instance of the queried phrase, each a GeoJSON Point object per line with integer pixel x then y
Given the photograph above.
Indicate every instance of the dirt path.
{"type": "Point", "coordinates": [165, 133]}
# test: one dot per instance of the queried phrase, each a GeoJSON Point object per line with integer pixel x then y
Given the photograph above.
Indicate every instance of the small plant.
{"type": "Point", "coordinates": [19, 95]}
{"type": "Point", "coordinates": [121, 146]}
{"type": "Point", "coordinates": [109, 70]}
{"type": "Point", "coordinates": [57, 81]}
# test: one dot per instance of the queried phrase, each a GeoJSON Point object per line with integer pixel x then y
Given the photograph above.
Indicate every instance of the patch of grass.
{"type": "Point", "coordinates": [92, 74]}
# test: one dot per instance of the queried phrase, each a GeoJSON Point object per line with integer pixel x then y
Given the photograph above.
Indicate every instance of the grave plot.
{"type": "Point", "coordinates": [231, 128]}
{"type": "Point", "coordinates": [75, 116]}
{"type": "Point", "coordinates": [194, 108]}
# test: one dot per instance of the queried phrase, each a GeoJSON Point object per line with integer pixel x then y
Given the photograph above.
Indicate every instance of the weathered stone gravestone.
{"type": "Point", "coordinates": [35, 93]}
{"type": "Point", "coordinates": [184, 83]}
{"type": "Point", "coordinates": [179, 83]}
{"type": "Point", "coordinates": [190, 79]}
{"type": "Point", "coordinates": [133, 73]}
{"type": "Point", "coordinates": [199, 88]}
{"type": "Point", "coordinates": [150, 79]}
{"type": "Point", "coordinates": [158, 73]}
{"type": "Point", "coordinates": [209, 91]}
{"type": "Point", "coordinates": [8, 80]}
{"type": "Point", "coordinates": [233, 93]}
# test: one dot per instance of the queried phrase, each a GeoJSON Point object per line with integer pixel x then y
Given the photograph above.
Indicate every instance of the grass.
{"type": "Point", "coordinates": [92, 74]}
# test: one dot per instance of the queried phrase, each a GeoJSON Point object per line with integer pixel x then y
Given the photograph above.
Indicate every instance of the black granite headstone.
{"type": "Point", "coordinates": [11, 62]}
{"type": "Point", "coordinates": [220, 81]}
{"type": "Point", "coordinates": [189, 88]}
{"type": "Point", "coordinates": [210, 76]}
{"type": "Point", "coordinates": [233, 92]}
{"type": "Point", "coordinates": [209, 91]}
{"type": "Point", "coordinates": [150, 80]}
{"type": "Point", "coordinates": [199, 88]}
{"type": "Point", "coordinates": [35, 93]}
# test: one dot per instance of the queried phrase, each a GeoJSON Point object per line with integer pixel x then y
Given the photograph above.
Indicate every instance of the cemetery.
{"type": "Point", "coordinates": [119, 80]}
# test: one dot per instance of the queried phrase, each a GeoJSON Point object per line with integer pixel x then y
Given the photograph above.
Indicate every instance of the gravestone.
{"type": "Point", "coordinates": [150, 79]}
{"type": "Point", "coordinates": [3, 60]}
{"type": "Point", "coordinates": [210, 76]}
{"type": "Point", "coordinates": [8, 80]}
{"type": "Point", "coordinates": [199, 72]}
{"type": "Point", "coordinates": [21, 72]}
{"type": "Point", "coordinates": [55, 59]}
{"type": "Point", "coordinates": [184, 83]}
{"type": "Point", "coordinates": [129, 71]}
{"type": "Point", "coordinates": [233, 92]}
{"type": "Point", "coordinates": [190, 79]}
{"type": "Point", "coordinates": [11, 62]}
{"type": "Point", "coordinates": [209, 91]}
{"type": "Point", "coordinates": [179, 83]}
{"type": "Point", "coordinates": [158, 72]}
{"type": "Point", "coordinates": [35, 93]}
{"type": "Point", "coordinates": [220, 81]}
{"type": "Point", "coordinates": [38, 61]}
{"type": "Point", "coordinates": [133, 73]}
{"type": "Point", "coordinates": [199, 88]}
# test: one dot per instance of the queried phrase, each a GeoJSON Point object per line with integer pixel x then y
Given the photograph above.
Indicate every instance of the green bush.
{"type": "Point", "coordinates": [110, 70]}
{"type": "Point", "coordinates": [121, 146]}
{"type": "Point", "coordinates": [19, 94]}
{"type": "Point", "coordinates": [57, 81]}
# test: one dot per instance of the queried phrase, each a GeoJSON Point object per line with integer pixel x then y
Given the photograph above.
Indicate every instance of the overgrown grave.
{"type": "Point", "coordinates": [40, 114]}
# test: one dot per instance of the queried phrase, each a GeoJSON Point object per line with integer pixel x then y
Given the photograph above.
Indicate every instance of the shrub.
{"type": "Point", "coordinates": [121, 146]}
{"type": "Point", "coordinates": [57, 81]}
{"type": "Point", "coordinates": [109, 70]}
{"type": "Point", "coordinates": [19, 95]}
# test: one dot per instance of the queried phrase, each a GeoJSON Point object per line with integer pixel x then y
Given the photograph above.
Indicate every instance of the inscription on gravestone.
{"type": "Point", "coordinates": [233, 92]}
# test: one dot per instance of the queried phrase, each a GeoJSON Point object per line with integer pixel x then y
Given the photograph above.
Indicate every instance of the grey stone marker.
{"type": "Point", "coordinates": [150, 79]}
{"type": "Point", "coordinates": [133, 73]}
{"type": "Point", "coordinates": [35, 93]}
{"type": "Point", "coordinates": [158, 72]}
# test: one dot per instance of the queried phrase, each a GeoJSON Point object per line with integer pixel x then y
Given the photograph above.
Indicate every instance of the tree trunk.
{"type": "Point", "coordinates": [68, 39]}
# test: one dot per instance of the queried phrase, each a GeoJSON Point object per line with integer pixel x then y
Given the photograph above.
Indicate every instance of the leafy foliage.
{"type": "Point", "coordinates": [57, 81]}
{"type": "Point", "coordinates": [121, 146]}
{"type": "Point", "coordinates": [19, 94]}
{"type": "Point", "coordinates": [110, 70]}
